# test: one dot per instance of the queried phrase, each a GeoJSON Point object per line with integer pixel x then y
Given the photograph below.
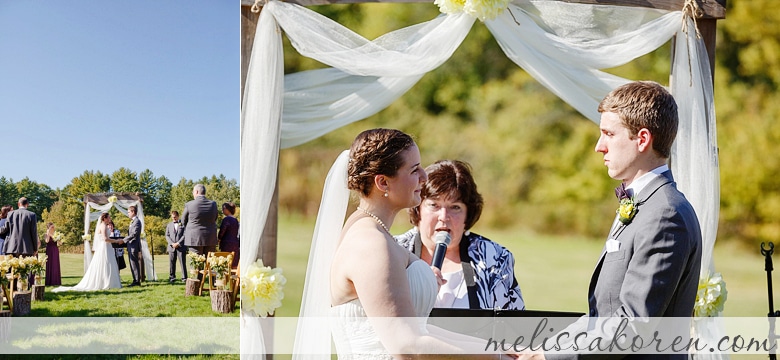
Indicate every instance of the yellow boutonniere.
{"type": "Point", "coordinates": [626, 211]}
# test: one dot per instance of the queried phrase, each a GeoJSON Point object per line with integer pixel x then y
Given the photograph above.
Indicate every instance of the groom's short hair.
{"type": "Point", "coordinates": [132, 207]}
{"type": "Point", "coordinates": [645, 104]}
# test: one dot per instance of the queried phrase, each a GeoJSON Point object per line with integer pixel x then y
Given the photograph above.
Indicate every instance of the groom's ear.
{"type": "Point", "coordinates": [644, 140]}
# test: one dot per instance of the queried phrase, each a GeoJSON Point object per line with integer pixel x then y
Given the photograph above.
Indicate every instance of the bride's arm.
{"type": "Point", "coordinates": [377, 271]}
{"type": "Point", "coordinates": [104, 230]}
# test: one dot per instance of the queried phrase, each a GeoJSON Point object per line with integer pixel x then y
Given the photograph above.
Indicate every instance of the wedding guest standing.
{"type": "Point", "coordinates": [228, 232]}
{"type": "Point", "coordinates": [21, 231]}
{"type": "Point", "coordinates": [200, 222]}
{"type": "Point", "coordinates": [3, 217]}
{"type": "Point", "coordinates": [479, 272]}
{"type": "Point", "coordinates": [53, 274]}
{"type": "Point", "coordinates": [174, 235]}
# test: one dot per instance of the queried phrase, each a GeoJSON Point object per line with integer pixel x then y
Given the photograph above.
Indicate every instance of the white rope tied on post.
{"type": "Point", "coordinates": [691, 9]}
{"type": "Point", "coordinates": [258, 5]}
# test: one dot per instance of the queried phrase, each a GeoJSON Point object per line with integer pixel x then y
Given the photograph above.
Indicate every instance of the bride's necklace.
{"type": "Point", "coordinates": [378, 220]}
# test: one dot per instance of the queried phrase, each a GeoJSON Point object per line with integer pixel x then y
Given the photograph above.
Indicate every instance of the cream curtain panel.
{"type": "Point", "coordinates": [562, 45]}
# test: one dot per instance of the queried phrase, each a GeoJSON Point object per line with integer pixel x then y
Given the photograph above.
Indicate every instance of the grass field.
{"type": "Point", "coordinates": [155, 299]}
{"type": "Point", "coordinates": [553, 271]}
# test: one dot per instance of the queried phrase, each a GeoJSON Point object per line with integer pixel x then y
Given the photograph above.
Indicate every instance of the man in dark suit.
{"type": "Point", "coordinates": [21, 230]}
{"type": "Point", "coordinates": [649, 267]}
{"type": "Point", "coordinates": [200, 222]}
{"type": "Point", "coordinates": [133, 241]}
{"type": "Point", "coordinates": [21, 234]}
{"type": "Point", "coordinates": [174, 234]}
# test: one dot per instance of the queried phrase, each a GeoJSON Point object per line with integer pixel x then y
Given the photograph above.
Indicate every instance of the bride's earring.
{"type": "Point", "coordinates": [386, 195]}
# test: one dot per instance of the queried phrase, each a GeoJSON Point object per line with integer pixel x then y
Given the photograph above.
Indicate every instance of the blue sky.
{"type": "Point", "coordinates": [99, 85]}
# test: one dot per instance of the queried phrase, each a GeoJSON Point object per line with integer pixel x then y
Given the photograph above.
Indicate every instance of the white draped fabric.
{"type": "Point", "coordinates": [695, 154]}
{"type": "Point", "coordinates": [121, 205]}
{"type": "Point", "coordinates": [562, 45]}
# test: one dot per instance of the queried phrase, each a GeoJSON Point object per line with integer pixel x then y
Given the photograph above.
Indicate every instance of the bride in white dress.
{"type": "Point", "coordinates": [103, 271]}
{"type": "Point", "coordinates": [377, 294]}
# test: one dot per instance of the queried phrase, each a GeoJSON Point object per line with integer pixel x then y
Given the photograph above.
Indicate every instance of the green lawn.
{"type": "Point", "coordinates": [155, 299]}
{"type": "Point", "coordinates": [553, 271]}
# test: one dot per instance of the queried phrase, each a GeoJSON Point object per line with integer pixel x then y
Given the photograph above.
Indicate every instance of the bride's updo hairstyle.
{"type": "Point", "coordinates": [375, 152]}
{"type": "Point", "coordinates": [103, 216]}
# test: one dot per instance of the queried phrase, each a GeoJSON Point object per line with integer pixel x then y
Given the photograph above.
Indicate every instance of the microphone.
{"type": "Point", "coordinates": [442, 239]}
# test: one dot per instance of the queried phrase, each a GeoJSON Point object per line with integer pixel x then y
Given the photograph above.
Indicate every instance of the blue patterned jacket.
{"type": "Point", "coordinates": [495, 286]}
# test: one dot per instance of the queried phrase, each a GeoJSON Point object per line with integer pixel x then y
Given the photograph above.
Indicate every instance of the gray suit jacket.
{"type": "Point", "coordinates": [21, 229]}
{"type": "Point", "coordinates": [172, 235]}
{"type": "Point", "coordinates": [133, 238]}
{"type": "Point", "coordinates": [200, 222]}
{"type": "Point", "coordinates": [655, 270]}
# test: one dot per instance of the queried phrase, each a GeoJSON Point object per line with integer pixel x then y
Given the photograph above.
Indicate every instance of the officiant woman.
{"type": "Point", "coordinates": [479, 272]}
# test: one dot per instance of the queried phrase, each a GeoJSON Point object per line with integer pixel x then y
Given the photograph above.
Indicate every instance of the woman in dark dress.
{"type": "Point", "coordinates": [53, 274]}
{"type": "Point", "coordinates": [228, 232]}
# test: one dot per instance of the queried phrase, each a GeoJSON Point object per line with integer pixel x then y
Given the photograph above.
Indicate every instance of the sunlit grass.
{"type": "Point", "coordinates": [553, 271]}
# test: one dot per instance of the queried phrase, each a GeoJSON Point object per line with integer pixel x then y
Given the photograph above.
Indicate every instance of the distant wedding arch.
{"type": "Point", "coordinates": [95, 204]}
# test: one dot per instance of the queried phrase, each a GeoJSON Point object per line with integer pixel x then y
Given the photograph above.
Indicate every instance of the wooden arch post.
{"type": "Point", "coordinates": [269, 237]}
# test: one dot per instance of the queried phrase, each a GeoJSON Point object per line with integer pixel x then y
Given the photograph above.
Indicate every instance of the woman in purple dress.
{"type": "Point", "coordinates": [53, 274]}
{"type": "Point", "coordinates": [228, 232]}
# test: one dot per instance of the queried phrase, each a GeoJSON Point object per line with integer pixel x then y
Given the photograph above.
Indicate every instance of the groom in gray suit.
{"type": "Point", "coordinates": [649, 267]}
{"type": "Point", "coordinates": [133, 241]}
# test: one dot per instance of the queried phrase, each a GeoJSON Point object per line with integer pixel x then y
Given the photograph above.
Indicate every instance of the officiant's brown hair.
{"type": "Point", "coordinates": [451, 179]}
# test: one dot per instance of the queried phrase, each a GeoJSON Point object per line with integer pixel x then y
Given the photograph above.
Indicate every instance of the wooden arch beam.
{"type": "Point", "coordinates": [711, 9]}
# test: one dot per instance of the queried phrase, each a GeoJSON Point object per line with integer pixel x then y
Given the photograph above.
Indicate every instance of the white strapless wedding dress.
{"type": "Point", "coordinates": [352, 333]}
{"type": "Point", "coordinates": [103, 271]}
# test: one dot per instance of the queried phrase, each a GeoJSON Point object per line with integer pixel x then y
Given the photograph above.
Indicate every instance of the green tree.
{"type": "Point", "coordinates": [8, 194]}
{"type": "Point", "coordinates": [180, 194]}
{"type": "Point", "coordinates": [40, 196]}
{"type": "Point", "coordinates": [89, 182]}
{"type": "Point", "coordinates": [124, 180]}
{"type": "Point", "coordinates": [155, 233]}
{"type": "Point", "coordinates": [157, 193]}
{"type": "Point", "coordinates": [68, 218]}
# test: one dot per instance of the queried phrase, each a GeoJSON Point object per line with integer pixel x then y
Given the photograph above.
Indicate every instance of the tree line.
{"type": "Point", "coordinates": [65, 207]}
{"type": "Point", "coordinates": [532, 154]}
